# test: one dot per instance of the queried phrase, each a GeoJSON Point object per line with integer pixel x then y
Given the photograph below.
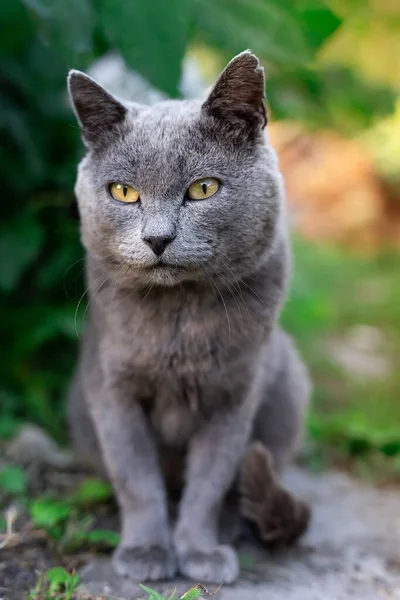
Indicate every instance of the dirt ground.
{"type": "Point", "coordinates": [351, 551]}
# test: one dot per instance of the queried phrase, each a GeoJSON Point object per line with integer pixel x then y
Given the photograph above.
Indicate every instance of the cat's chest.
{"type": "Point", "coordinates": [176, 342]}
{"type": "Point", "coordinates": [171, 339]}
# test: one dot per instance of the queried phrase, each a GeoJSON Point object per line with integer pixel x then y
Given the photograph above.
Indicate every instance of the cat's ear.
{"type": "Point", "coordinates": [237, 98]}
{"type": "Point", "coordinates": [98, 112]}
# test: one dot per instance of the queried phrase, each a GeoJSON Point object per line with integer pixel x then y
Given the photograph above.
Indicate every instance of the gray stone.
{"type": "Point", "coordinates": [32, 445]}
{"type": "Point", "coordinates": [351, 551]}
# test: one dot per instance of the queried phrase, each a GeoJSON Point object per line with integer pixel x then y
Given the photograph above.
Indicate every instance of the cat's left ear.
{"type": "Point", "coordinates": [237, 98]}
{"type": "Point", "coordinates": [98, 112]}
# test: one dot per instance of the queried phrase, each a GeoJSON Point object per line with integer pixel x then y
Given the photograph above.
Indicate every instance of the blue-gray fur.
{"type": "Point", "coordinates": [185, 354]}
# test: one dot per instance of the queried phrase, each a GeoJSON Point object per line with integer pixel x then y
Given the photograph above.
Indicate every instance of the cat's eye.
{"type": "Point", "coordinates": [203, 188]}
{"type": "Point", "coordinates": [124, 193]}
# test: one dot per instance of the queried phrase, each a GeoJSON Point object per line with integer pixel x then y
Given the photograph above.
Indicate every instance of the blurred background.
{"type": "Point", "coordinates": [333, 90]}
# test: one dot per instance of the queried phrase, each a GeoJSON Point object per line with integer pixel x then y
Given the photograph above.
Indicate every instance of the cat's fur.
{"type": "Point", "coordinates": [185, 359]}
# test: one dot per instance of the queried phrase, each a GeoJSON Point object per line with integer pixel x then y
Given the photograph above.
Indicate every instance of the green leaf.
{"type": "Point", "coordinates": [48, 513]}
{"type": "Point", "coordinates": [103, 537]}
{"type": "Point", "coordinates": [151, 36]}
{"type": "Point", "coordinates": [270, 28]}
{"type": "Point", "coordinates": [66, 26]}
{"type": "Point", "coordinates": [153, 595]}
{"type": "Point", "coordinates": [317, 20]}
{"type": "Point", "coordinates": [12, 37]}
{"type": "Point", "coordinates": [92, 491]}
{"type": "Point", "coordinates": [20, 244]}
{"type": "Point", "coordinates": [57, 577]}
{"type": "Point", "coordinates": [13, 480]}
{"type": "Point", "coordinates": [193, 593]}
{"type": "Point", "coordinates": [8, 426]}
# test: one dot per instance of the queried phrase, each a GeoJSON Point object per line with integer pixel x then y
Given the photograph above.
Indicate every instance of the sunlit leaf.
{"type": "Point", "coordinates": [57, 577]}
{"type": "Point", "coordinates": [92, 491]}
{"type": "Point", "coordinates": [152, 594]}
{"type": "Point", "coordinates": [317, 20]}
{"type": "Point", "coordinates": [47, 512]}
{"type": "Point", "coordinates": [102, 537]}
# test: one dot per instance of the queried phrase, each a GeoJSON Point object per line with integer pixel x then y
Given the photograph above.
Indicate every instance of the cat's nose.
{"type": "Point", "coordinates": [158, 243]}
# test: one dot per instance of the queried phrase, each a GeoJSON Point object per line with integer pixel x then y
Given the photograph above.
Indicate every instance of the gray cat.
{"type": "Point", "coordinates": [183, 368]}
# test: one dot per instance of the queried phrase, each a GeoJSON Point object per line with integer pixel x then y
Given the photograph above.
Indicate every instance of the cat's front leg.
{"type": "Point", "coordinates": [145, 551]}
{"type": "Point", "coordinates": [213, 459]}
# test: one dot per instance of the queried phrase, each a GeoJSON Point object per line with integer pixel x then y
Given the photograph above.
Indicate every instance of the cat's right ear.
{"type": "Point", "coordinates": [237, 99]}
{"type": "Point", "coordinates": [98, 112]}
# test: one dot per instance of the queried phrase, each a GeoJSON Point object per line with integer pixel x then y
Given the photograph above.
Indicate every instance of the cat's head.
{"type": "Point", "coordinates": [180, 190]}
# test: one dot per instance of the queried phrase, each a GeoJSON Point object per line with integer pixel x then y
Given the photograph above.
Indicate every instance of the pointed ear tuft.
{"type": "Point", "coordinates": [238, 96]}
{"type": "Point", "coordinates": [97, 111]}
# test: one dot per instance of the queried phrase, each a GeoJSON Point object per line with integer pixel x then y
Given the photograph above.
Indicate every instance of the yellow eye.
{"type": "Point", "coordinates": [124, 193]}
{"type": "Point", "coordinates": [203, 188]}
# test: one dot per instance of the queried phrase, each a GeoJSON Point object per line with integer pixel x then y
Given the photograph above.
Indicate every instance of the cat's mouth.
{"type": "Point", "coordinates": [167, 274]}
{"type": "Point", "coordinates": [164, 265]}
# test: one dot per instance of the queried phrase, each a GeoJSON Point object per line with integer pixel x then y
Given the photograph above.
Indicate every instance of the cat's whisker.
{"type": "Point", "coordinates": [252, 291]}
{"type": "Point", "coordinates": [80, 301]}
{"type": "Point", "coordinates": [235, 284]}
{"type": "Point", "coordinates": [183, 295]}
{"type": "Point", "coordinates": [76, 311]}
{"type": "Point", "coordinates": [215, 287]}
{"type": "Point", "coordinates": [67, 271]}
{"type": "Point", "coordinates": [150, 286]}
{"type": "Point", "coordinates": [108, 277]}
{"type": "Point", "coordinates": [238, 279]}
{"type": "Point", "coordinates": [229, 288]}
{"type": "Point", "coordinates": [115, 285]}
{"type": "Point", "coordinates": [92, 284]}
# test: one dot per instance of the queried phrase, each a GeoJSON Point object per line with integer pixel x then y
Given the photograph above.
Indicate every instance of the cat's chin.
{"type": "Point", "coordinates": [166, 276]}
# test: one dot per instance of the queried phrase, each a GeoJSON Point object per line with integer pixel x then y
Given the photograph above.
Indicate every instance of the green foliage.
{"type": "Point", "coordinates": [22, 239]}
{"type": "Point", "coordinates": [13, 481]}
{"type": "Point", "coordinates": [152, 594]}
{"type": "Point", "coordinates": [192, 594]}
{"type": "Point", "coordinates": [48, 513]}
{"type": "Point", "coordinates": [67, 522]}
{"type": "Point", "coordinates": [65, 26]}
{"type": "Point", "coordinates": [101, 538]}
{"type": "Point", "coordinates": [56, 584]}
{"type": "Point", "coordinates": [353, 416]}
{"type": "Point", "coordinates": [156, 41]}
{"type": "Point", "coordinates": [92, 491]}
{"type": "Point", "coordinates": [78, 534]}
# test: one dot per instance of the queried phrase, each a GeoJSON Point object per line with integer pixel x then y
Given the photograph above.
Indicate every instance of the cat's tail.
{"type": "Point", "coordinates": [278, 517]}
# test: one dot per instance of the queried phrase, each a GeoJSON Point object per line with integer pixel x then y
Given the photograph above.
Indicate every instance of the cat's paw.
{"type": "Point", "coordinates": [145, 564]}
{"type": "Point", "coordinates": [219, 565]}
